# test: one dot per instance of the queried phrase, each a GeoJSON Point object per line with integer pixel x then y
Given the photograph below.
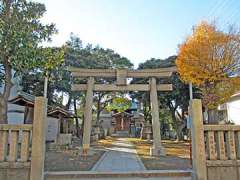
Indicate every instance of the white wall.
{"type": "Point", "coordinates": [233, 108]}
{"type": "Point", "coordinates": [15, 117]}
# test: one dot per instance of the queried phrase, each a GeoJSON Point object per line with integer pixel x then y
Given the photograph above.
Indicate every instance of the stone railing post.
{"type": "Point", "coordinates": [38, 139]}
{"type": "Point", "coordinates": [198, 144]}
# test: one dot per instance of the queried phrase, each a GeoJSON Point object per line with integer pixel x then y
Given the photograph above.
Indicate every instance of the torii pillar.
{"type": "Point", "coordinates": [88, 116]}
{"type": "Point", "coordinates": [157, 148]}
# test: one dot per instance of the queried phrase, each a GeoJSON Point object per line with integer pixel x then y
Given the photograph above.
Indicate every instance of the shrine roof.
{"type": "Point", "coordinates": [27, 100]}
{"type": "Point", "coordinates": [58, 111]}
{"type": "Point", "coordinates": [23, 99]}
{"type": "Point", "coordinates": [125, 113]}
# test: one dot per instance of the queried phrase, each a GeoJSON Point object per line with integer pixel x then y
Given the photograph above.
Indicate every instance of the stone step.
{"type": "Point", "coordinates": [121, 134]}
{"type": "Point", "coordinates": [135, 175]}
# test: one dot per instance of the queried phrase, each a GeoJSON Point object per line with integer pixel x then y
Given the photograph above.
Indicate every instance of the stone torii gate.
{"type": "Point", "coordinates": [121, 76]}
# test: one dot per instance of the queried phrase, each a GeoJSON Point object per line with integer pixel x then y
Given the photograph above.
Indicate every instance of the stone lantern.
{"type": "Point", "coordinates": [148, 130]}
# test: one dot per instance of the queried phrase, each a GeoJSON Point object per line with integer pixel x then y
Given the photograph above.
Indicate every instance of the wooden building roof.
{"type": "Point", "coordinates": [27, 100]}
{"type": "Point", "coordinates": [57, 111]}
{"type": "Point", "coordinates": [23, 99]}
{"type": "Point", "coordinates": [124, 113]}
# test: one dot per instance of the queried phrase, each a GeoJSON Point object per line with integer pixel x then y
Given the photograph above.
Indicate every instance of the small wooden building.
{"type": "Point", "coordinates": [122, 121]}
{"type": "Point", "coordinates": [125, 123]}
{"type": "Point", "coordinates": [58, 119]}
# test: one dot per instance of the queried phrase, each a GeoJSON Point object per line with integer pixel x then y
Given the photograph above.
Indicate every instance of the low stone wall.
{"type": "Point", "coordinates": [22, 173]}
{"type": "Point", "coordinates": [224, 170]}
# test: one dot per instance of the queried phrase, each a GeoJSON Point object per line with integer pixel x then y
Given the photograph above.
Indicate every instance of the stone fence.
{"type": "Point", "coordinates": [22, 147]}
{"type": "Point", "coordinates": [222, 145]}
{"type": "Point", "coordinates": [15, 150]}
{"type": "Point", "coordinates": [215, 148]}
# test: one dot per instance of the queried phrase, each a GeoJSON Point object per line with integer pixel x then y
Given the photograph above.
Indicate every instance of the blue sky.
{"type": "Point", "coordinates": [136, 29]}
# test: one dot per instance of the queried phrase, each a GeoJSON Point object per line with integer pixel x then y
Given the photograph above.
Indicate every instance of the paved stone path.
{"type": "Point", "coordinates": [121, 157]}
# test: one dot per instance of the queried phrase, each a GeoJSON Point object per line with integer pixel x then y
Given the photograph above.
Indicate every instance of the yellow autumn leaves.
{"type": "Point", "coordinates": [209, 58]}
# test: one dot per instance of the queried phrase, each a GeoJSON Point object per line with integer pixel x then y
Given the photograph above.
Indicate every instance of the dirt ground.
{"type": "Point", "coordinates": [71, 160]}
{"type": "Point", "coordinates": [177, 154]}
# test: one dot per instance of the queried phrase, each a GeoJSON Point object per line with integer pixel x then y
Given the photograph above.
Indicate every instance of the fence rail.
{"type": "Point", "coordinates": [224, 127]}
{"type": "Point", "coordinates": [15, 144]}
{"type": "Point", "coordinates": [222, 142]}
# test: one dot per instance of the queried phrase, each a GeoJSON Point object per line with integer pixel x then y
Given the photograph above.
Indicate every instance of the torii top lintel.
{"type": "Point", "coordinates": [121, 76]}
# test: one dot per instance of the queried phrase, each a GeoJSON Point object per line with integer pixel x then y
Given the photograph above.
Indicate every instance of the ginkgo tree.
{"type": "Point", "coordinates": [119, 104]}
{"type": "Point", "coordinates": [209, 58]}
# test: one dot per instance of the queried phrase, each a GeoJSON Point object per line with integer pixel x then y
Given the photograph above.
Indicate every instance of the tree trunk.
{"type": "Point", "coordinates": [179, 129]}
{"type": "Point", "coordinates": [7, 81]}
{"type": "Point", "coordinates": [6, 93]}
{"type": "Point", "coordinates": [174, 118]}
{"type": "Point", "coordinates": [99, 108]}
{"type": "Point", "coordinates": [181, 123]}
{"type": "Point", "coordinates": [76, 118]}
{"type": "Point", "coordinates": [82, 127]}
{"type": "Point", "coordinates": [213, 116]}
{"type": "Point", "coordinates": [69, 101]}
{"type": "Point", "coordinates": [45, 85]}
{"type": "Point", "coordinates": [98, 112]}
{"type": "Point", "coordinates": [177, 124]}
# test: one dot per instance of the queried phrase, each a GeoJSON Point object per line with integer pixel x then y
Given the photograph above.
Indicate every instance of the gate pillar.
{"type": "Point", "coordinates": [38, 139]}
{"type": "Point", "coordinates": [157, 148]}
{"type": "Point", "coordinates": [88, 116]}
{"type": "Point", "coordinates": [198, 145]}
